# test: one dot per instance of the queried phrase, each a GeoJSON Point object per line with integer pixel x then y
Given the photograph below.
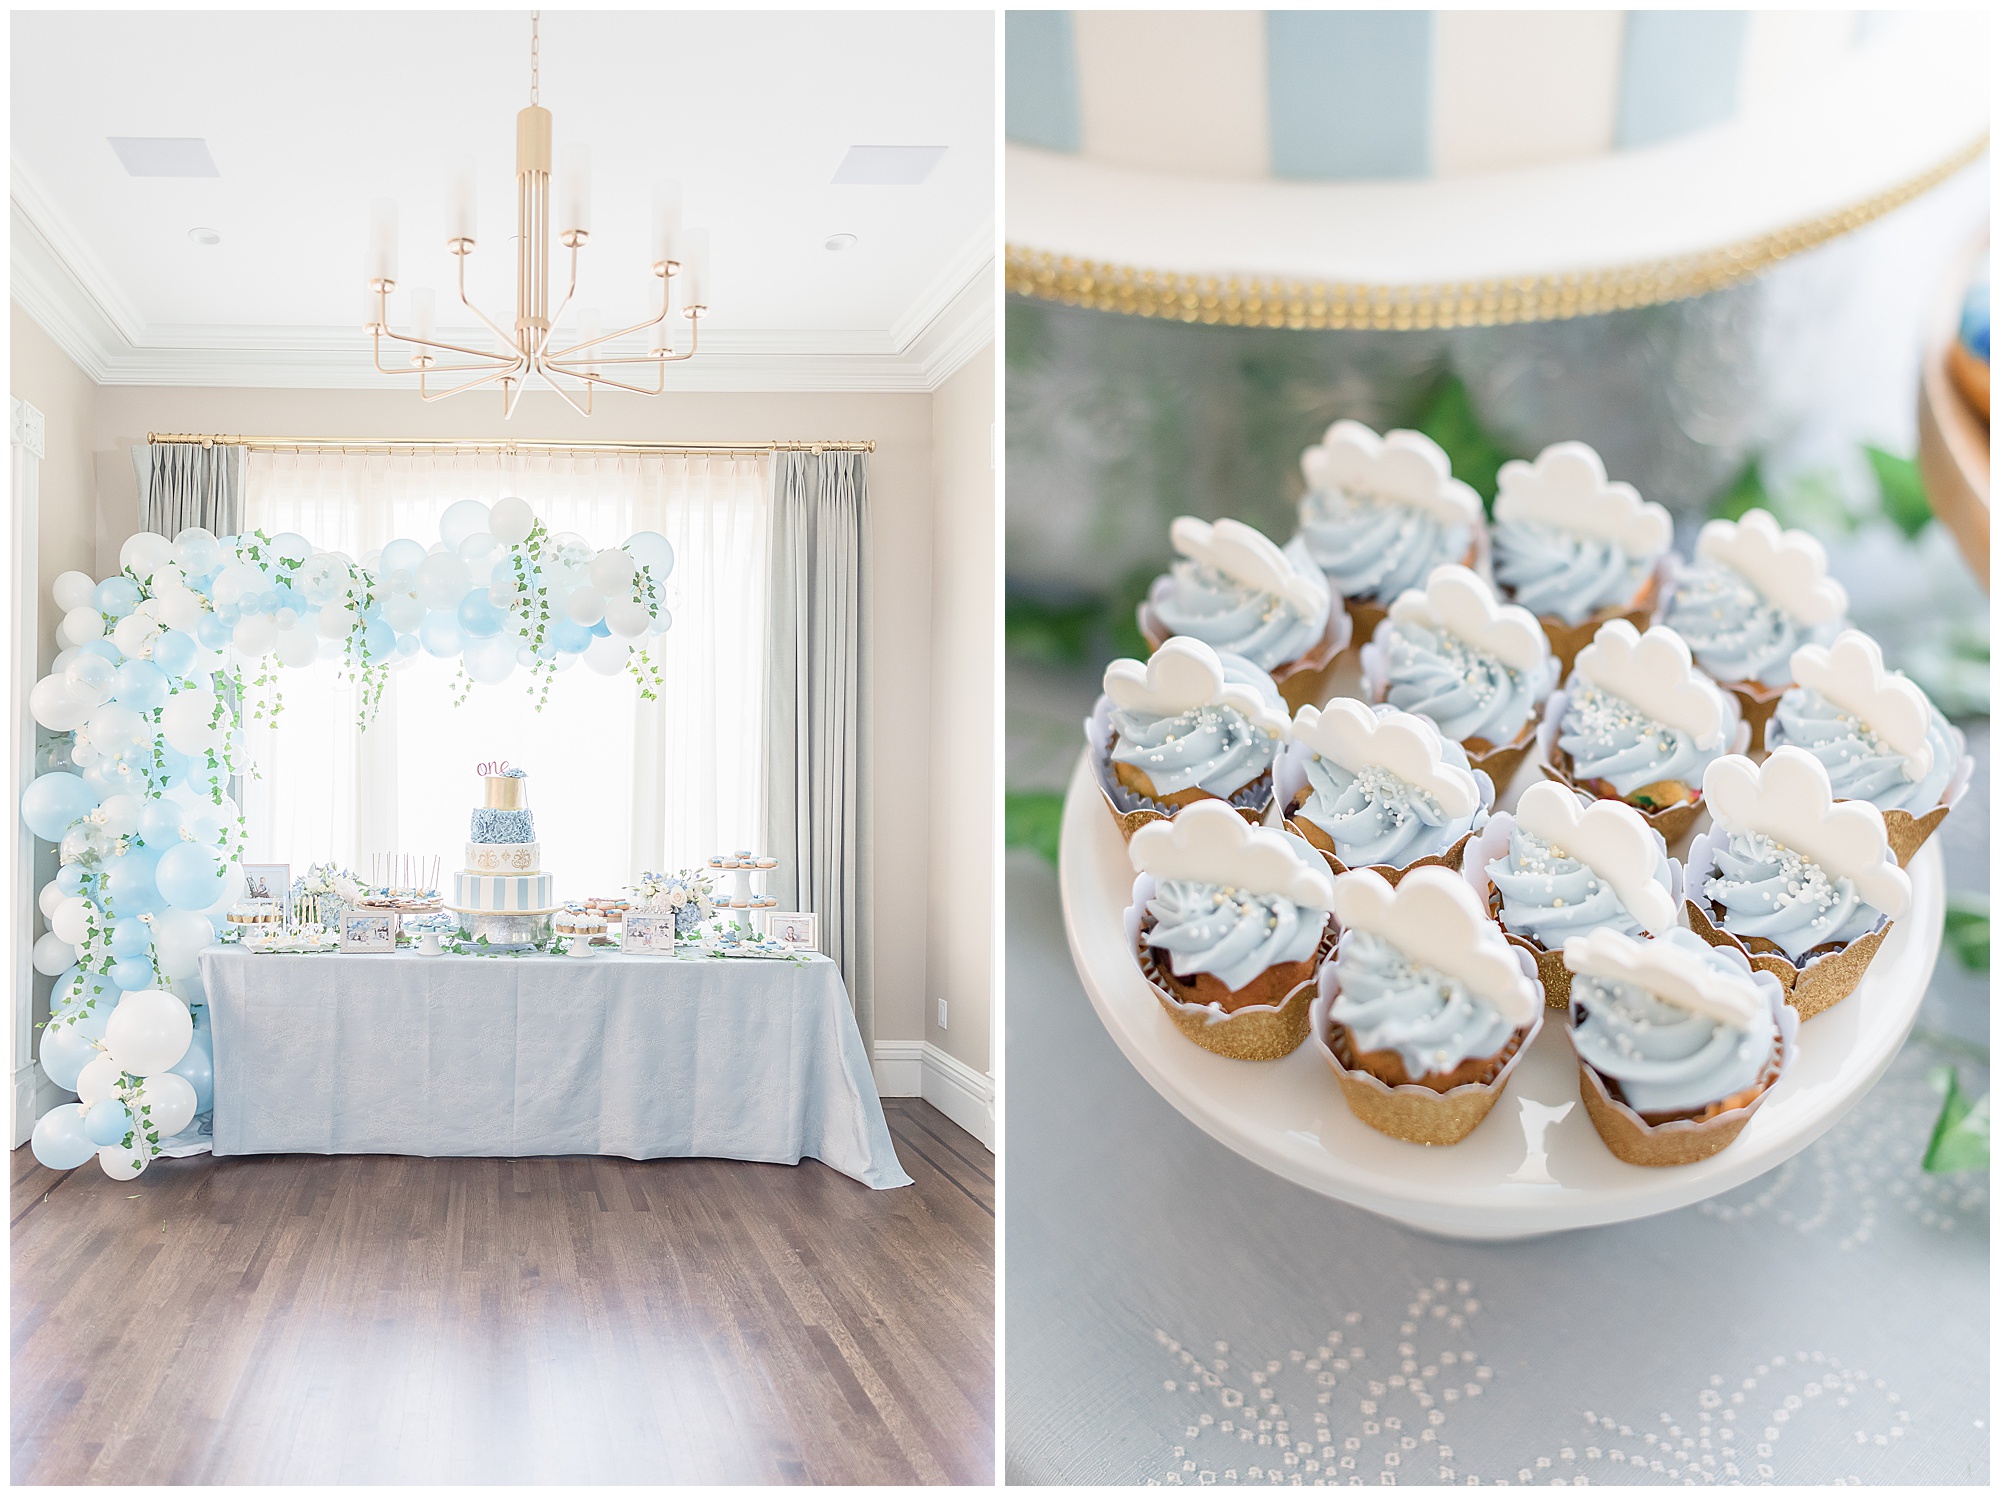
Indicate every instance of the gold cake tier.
{"type": "Point", "coordinates": [504, 792]}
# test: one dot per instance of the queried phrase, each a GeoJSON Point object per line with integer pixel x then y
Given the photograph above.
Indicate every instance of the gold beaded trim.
{"type": "Point", "coordinates": [1257, 302]}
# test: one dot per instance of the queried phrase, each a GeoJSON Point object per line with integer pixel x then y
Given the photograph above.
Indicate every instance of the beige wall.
{"type": "Point", "coordinates": [901, 483]}
{"type": "Point", "coordinates": [964, 567]}
{"type": "Point", "coordinates": [42, 375]}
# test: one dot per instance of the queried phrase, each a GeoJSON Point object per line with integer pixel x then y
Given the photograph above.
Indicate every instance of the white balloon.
{"type": "Point", "coordinates": [179, 938]}
{"type": "Point", "coordinates": [53, 954]}
{"type": "Point", "coordinates": [54, 703]}
{"type": "Point", "coordinates": [149, 1031]}
{"type": "Point", "coordinates": [119, 814]}
{"type": "Point", "coordinates": [144, 553]}
{"type": "Point", "coordinates": [511, 521]}
{"type": "Point", "coordinates": [297, 648]}
{"type": "Point", "coordinates": [628, 619]}
{"type": "Point", "coordinates": [73, 590]}
{"type": "Point", "coordinates": [336, 621]}
{"type": "Point", "coordinates": [607, 656]}
{"type": "Point", "coordinates": [50, 898]}
{"type": "Point", "coordinates": [83, 624]}
{"type": "Point", "coordinates": [135, 633]}
{"type": "Point", "coordinates": [254, 636]}
{"type": "Point", "coordinates": [98, 1080]}
{"type": "Point", "coordinates": [121, 1162]}
{"type": "Point", "coordinates": [169, 1103]}
{"type": "Point", "coordinates": [181, 609]}
{"type": "Point", "coordinates": [71, 921]}
{"type": "Point", "coordinates": [112, 727]}
{"type": "Point", "coordinates": [442, 580]}
{"type": "Point", "coordinates": [402, 610]}
{"type": "Point", "coordinates": [585, 606]}
{"type": "Point", "coordinates": [611, 571]}
{"type": "Point", "coordinates": [188, 722]}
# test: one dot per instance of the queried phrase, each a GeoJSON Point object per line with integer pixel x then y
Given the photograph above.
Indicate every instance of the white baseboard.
{"type": "Point", "coordinates": [916, 1067]}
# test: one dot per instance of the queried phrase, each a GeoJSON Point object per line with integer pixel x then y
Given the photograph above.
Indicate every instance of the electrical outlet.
{"type": "Point", "coordinates": [943, 1022]}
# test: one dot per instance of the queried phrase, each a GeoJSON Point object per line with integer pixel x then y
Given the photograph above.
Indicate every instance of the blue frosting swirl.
{"type": "Point", "coordinates": [1547, 896]}
{"type": "Point", "coordinates": [1232, 935]}
{"type": "Point", "coordinates": [1760, 888]}
{"type": "Point", "coordinates": [1734, 632]}
{"type": "Point", "coordinates": [1861, 765]}
{"type": "Point", "coordinates": [1377, 817]}
{"type": "Point", "coordinates": [1559, 574]}
{"type": "Point", "coordinates": [1213, 748]}
{"type": "Point", "coordinates": [1389, 1001]}
{"type": "Point", "coordinates": [1665, 1058]}
{"type": "Point", "coordinates": [1468, 694]}
{"type": "Point", "coordinates": [502, 826]}
{"type": "Point", "coordinates": [1608, 738]}
{"type": "Point", "coordinates": [1376, 548]}
{"type": "Point", "coordinates": [1267, 630]}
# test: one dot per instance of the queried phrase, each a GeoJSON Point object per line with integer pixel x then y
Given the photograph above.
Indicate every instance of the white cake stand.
{"type": "Point", "coordinates": [1535, 1165]}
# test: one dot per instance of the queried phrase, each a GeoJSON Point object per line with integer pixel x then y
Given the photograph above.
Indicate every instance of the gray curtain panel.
{"type": "Point", "coordinates": [816, 805]}
{"type": "Point", "coordinates": [188, 484]}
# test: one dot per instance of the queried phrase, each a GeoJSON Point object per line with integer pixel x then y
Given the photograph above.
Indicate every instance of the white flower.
{"type": "Point", "coordinates": [678, 898]}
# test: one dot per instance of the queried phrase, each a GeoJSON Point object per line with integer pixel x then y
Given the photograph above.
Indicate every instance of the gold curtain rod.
{"type": "Point", "coordinates": [386, 444]}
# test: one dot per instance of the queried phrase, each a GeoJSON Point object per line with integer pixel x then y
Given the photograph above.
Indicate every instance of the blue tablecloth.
{"type": "Point", "coordinates": [635, 1056]}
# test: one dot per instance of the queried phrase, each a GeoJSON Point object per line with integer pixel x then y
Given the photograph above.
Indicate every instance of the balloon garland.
{"type": "Point", "coordinates": [148, 699]}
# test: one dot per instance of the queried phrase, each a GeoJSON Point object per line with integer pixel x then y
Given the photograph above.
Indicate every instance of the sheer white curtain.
{"type": "Point", "coordinates": [618, 785]}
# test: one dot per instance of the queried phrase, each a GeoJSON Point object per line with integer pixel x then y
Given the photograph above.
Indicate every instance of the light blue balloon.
{"type": "Point", "coordinates": [600, 630]}
{"type": "Point", "coordinates": [107, 1122]}
{"type": "Point", "coordinates": [440, 635]}
{"type": "Point", "coordinates": [272, 600]}
{"type": "Point", "coordinates": [160, 821]}
{"type": "Point", "coordinates": [117, 596]}
{"type": "Point", "coordinates": [129, 885]}
{"type": "Point", "coordinates": [171, 767]}
{"type": "Point", "coordinates": [401, 555]}
{"type": "Point", "coordinates": [175, 652]}
{"type": "Point", "coordinates": [69, 877]}
{"type": "Point", "coordinates": [85, 1004]}
{"type": "Point", "coordinates": [197, 1066]}
{"type": "Point", "coordinates": [133, 975]}
{"type": "Point", "coordinates": [661, 624]}
{"type": "Point", "coordinates": [53, 802]}
{"type": "Point", "coordinates": [141, 685]}
{"type": "Point", "coordinates": [652, 551]}
{"type": "Point", "coordinates": [212, 631]}
{"type": "Point", "coordinates": [408, 644]}
{"type": "Point", "coordinates": [189, 876]}
{"type": "Point", "coordinates": [131, 937]}
{"type": "Point", "coordinates": [569, 637]}
{"type": "Point", "coordinates": [204, 782]}
{"type": "Point", "coordinates": [59, 1140]}
{"type": "Point", "coordinates": [64, 1052]}
{"type": "Point", "coordinates": [477, 616]}
{"type": "Point", "coordinates": [103, 648]}
{"type": "Point", "coordinates": [377, 638]}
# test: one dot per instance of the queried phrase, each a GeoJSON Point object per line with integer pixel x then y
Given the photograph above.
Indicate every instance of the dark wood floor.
{"type": "Point", "coordinates": [588, 1320]}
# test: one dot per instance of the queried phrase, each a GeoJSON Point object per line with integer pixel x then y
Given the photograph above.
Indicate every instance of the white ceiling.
{"type": "Point", "coordinates": [311, 115]}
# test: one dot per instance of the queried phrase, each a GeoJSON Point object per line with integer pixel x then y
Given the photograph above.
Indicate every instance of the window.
{"type": "Point", "coordinates": [618, 785]}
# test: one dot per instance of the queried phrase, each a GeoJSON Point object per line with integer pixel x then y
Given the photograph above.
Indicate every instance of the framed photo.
{"type": "Point", "coordinates": [649, 934]}
{"type": "Point", "coordinates": [269, 883]}
{"type": "Point", "coordinates": [368, 932]}
{"type": "Point", "coordinates": [799, 931]}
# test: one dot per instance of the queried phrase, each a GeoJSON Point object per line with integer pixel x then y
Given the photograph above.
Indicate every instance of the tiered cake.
{"type": "Point", "coordinates": [502, 891]}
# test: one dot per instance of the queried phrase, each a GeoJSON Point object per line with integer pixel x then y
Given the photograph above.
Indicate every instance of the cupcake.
{"type": "Point", "coordinates": [1228, 922]}
{"type": "Point", "coordinates": [1575, 549]}
{"type": "Point", "coordinates": [1479, 668]}
{"type": "Point", "coordinates": [1425, 1008]}
{"type": "Point", "coordinates": [1754, 594]}
{"type": "Point", "coordinates": [1188, 724]}
{"type": "Point", "coordinates": [1809, 889]}
{"type": "Point", "coordinates": [1676, 1041]}
{"type": "Point", "coordinates": [1563, 865]}
{"type": "Point", "coordinates": [1877, 735]}
{"type": "Point", "coordinates": [1380, 514]}
{"type": "Point", "coordinates": [1235, 590]}
{"type": "Point", "coordinates": [1638, 723]}
{"type": "Point", "coordinates": [1373, 786]}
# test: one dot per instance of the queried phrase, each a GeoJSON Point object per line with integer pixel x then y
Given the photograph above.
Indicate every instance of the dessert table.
{"type": "Point", "coordinates": [515, 1056]}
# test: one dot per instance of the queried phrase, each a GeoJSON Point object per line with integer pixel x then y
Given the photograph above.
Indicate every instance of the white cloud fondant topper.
{"type": "Point", "coordinates": [1790, 799]}
{"type": "Point", "coordinates": [1405, 466]}
{"type": "Point", "coordinates": [1787, 567]}
{"type": "Point", "coordinates": [1184, 675]}
{"type": "Point", "coordinates": [1208, 842]}
{"type": "Point", "coordinates": [1850, 674]}
{"type": "Point", "coordinates": [1608, 837]}
{"type": "Point", "coordinates": [1433, 918]}
{"type": "Point", "coordinates": [1355, 736]}
{"type": "Point", "coordinates": [1566, 489]}
{"type": "Point", "coordinates": [1252, 558]}
{"type": "Point", "coordinates": [1671, 973]}
{"type": "Point", "coordinates": [1656, 673]}
{"type": "Point", "coordinates": [1457, 600]}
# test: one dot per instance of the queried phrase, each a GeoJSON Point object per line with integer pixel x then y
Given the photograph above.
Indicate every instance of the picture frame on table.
{"type": "Point", "coordinates": [368, 932]}
{"type": "Point", "coordinates": [647, 934]}
{"type": "Point", "coordinates": [269, 883]}
{"type": "Point", "coordinates": [792, 928]}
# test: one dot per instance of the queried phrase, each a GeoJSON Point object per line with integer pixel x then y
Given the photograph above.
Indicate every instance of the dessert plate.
{"type": "Point", "coordinates": [1535, 1165]}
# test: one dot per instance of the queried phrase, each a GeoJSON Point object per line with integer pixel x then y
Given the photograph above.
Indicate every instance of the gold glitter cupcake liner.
{"type": "Point", "coordinates": [1667, 1144]}
{"type": "Point", "coordinates": [1258, 1032]}
{"type": "Point", "coordinates": [1305, 681]}
{"type": "Point", "coordinates": [1501, 762]}
{"type": "Point", "coordinates": [1758, 702]}
{"type": "Point", "coordinates": [1413, 1114]}
{"type": "Point", "coordinates": [1824, 978]}
{"type": "Point", "coordinates": [1908, 833]}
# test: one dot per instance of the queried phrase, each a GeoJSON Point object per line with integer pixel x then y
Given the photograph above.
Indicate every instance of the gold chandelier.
{"type": "Point", "coordinates": [680, 257]}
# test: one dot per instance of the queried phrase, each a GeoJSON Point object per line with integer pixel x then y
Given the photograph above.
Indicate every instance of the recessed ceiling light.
{"type": "Point", "coordinates": [205, 236]}
{"type": "Point", "coordinates": [887, 165]}
{"type": "Point", "coordinates": [164, 156]}
{"type": "Point", "coordinates": [841, 241]}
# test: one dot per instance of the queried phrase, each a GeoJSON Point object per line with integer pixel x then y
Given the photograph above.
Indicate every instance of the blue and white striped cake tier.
{"type": "Point", "coordinates": [503, 893]}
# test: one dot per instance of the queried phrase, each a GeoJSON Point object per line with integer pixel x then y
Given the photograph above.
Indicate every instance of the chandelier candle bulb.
{"type": "Point", "coordinates": [423, 314]}
{"type": "Point", "coordinates": [575, 179]}
{"type": "Point", "coordinates": [382, 240]}
{"type": "Point", "coordinates": [694, 266]}
{"type": "Point", "coordinates": [371, 309]}
{"type": "Point", "coordinates": [666, 221]}
{"type": "Point", "coordinates": [462, 206]}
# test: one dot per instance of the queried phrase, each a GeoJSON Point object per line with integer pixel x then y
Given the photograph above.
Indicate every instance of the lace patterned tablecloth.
{"type": "Point", "coordinates": [1177, 1315]}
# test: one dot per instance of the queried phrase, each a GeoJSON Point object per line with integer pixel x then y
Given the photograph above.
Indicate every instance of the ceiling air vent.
{"type": "Point", "coordinates": [164, 156]}
{"type": "Point", "coordinates": [887, 165]}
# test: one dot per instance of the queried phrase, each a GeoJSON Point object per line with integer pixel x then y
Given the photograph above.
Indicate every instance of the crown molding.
{"type": "Point", "coordinates": [69, 296]}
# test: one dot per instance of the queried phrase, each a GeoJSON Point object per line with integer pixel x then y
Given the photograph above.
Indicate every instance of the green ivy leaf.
{"type": "Point", "coordinates": [1962, 1139]}
{"type": "Point", "coordinates": [1902, 487]}
{"type": "Point", "coordinates": [1034, 821]}
{"type": "Point", "coordinates": [1448, 419]}
{"type": "Point", "coordinates": [1968, 930]}
{"type": "Point", "coordinates": [1744, 494]}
